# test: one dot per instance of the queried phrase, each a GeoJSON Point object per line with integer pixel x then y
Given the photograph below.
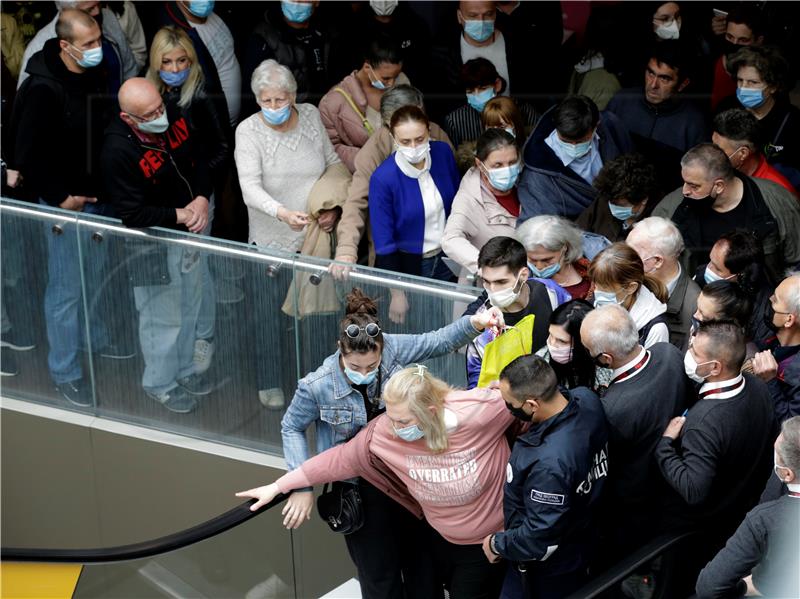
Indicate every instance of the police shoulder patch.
{"type": "Point", "coordinates": [548, 498]}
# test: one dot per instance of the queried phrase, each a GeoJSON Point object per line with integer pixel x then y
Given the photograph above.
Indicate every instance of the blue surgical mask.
{"type": "Point", "coordinates": [749, 97]}
{"type": "Point", "coordinates": [410, 433]}
{"type": "Point", "coordinates": [604, 298]}
{"type": "Point", "coordinates": [478, 101]}
{"type": "Point", "coordinates": [297, 12]}
{"type": "Point", "coordinates": [480, 31]}
{"type": "Point", "coordinates": [361, 379]}
{"type": "Point", "coordinates": [277, 116]}
{"type": "Point", "coordinates": [158, 125]}
{"type": "Point", "coordinates": [575, 151]}
{"type": "Point", "coordinates": [710, 276]}
{"type": "Point", "coordinates": [201, 8]}
{"type": "Point", "coordinates": [622, 213]}
{"type": "Point", "coordinates": [91, 58]}
{"type": "Point", "coordinates": [174, 79]}
{"type": "Point", "coordinates": [547, 272]}
{"type": "Point", "coordinates": [503, 178]}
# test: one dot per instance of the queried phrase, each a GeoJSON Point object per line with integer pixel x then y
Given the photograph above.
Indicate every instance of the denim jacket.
{"type": "Point", "coordinates": [326, 398]}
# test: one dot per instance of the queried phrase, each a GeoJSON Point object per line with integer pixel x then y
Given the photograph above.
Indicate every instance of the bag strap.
{"type": "Point", "coordinates": [355, 108]}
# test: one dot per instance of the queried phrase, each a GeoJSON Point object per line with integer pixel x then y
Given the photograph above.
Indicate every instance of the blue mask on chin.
{"type": "Point", "coordinates": [278, 116]}
{"type": "Point", "coordinates": [297, 12]}
{"type": "Point", "coordinates": [361, 379]}
{"type": "Point", "coordinates": [478, 101]}
{"type": "Point", "coordinates": [546, 272]}
{"type": "Point", "coordinates": [604, 298]}
{"type": "Point", "coordinates": [622, 213]}
{"type": "Point", "coordinates": [410, 433]}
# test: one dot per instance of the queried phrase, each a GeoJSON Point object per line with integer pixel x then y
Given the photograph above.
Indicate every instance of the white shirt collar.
{"type": "Point", "coordinates": [794, 487]}
{"type": "Point", "coordinates": [618, 371]}
{"type": "Point", "coordinates": [711, 387]}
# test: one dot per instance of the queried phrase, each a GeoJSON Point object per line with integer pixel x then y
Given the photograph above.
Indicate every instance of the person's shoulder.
{"type": "Point", "coordinates": [665, 351]}
{"type": "Point", "coordinates": [307, 111]}
{"type": "Point", "coordinates": [249, 125]}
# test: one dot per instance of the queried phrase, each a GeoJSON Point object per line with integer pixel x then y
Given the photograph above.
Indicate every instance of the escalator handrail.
{"type": "Point", "coordinates": [234, 517]}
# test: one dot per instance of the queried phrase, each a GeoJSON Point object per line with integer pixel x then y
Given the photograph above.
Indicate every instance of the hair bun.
{"type": "Point", "coordinates": [358, 303]}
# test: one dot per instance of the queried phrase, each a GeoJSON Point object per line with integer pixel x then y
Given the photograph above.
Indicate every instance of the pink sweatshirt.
{"type": "Point", "coordinates": [460, 490]}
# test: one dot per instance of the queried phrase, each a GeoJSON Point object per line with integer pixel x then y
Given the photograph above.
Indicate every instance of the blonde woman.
{"type": "Point", "coordinates": [439, 452]}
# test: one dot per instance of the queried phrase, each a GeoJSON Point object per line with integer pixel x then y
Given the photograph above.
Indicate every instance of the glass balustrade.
{"type": "Point", "coordinates": [100, 302]}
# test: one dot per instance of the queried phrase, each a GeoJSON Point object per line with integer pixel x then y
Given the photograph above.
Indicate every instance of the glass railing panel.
{"type": "Point", "coordinates": [44, 332]}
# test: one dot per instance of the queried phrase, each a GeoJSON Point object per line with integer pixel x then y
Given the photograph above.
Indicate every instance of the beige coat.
{"type": "Point", "coordinates": [328, 192]}
{"type": "Point", "coordinates": [355, 211]}
{"type": "Point", "coordinates": [476, 217]}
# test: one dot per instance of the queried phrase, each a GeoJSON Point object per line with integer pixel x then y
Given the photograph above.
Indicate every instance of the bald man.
{"type": "Point", "coordinates": [156, 177]}
{"type": "Point", "coordinates": [647, 389]}
{"type": "Point", "coordinates": [59, 117]}
{"type": "Point", "coordinates": [778, 361]}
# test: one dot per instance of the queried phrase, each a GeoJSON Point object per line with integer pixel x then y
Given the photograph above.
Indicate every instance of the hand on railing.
{"type": "Point", "coordinates": [340, 272]}
{"type": "Point", "coordinates": [263, 494]}
{"type": "Point", "coordinates": [297, 509]}
{"type": "Point", "coordinates": [76, 203]}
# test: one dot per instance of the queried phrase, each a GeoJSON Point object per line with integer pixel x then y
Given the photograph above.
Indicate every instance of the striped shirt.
{"type": "Point", "coordinates": [464, 123]}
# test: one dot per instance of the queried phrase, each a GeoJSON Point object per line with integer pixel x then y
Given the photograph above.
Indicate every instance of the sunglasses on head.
{"type": "Point", "coordinates": [353, 330]}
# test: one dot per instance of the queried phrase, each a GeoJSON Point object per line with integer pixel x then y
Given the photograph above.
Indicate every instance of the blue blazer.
{"type": "Point", "coordinates": [396, 211]}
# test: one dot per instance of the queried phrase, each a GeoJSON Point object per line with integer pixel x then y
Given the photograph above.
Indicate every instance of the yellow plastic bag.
{"type": "Point", "coordinates": [515, 341]}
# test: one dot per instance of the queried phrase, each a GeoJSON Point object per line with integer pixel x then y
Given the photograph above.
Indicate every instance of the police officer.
{"type": "Point", "coordinates": [554, 479]}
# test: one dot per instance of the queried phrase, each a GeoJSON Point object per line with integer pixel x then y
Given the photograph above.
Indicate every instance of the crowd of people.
{"type": "Point", "coordinates": [618, 180]}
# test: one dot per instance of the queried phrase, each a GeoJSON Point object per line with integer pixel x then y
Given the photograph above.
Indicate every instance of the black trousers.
{"type": "Point", "coordinates": [466, 571]}
{"type": "Point", "coordinates": [391, 550]}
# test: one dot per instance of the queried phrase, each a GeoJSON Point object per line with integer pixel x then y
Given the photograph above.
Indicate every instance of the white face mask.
{"type": "Point", "coordinates": [505, 297]}
{"type": "Point", "coordinates": [690, 368]}
{"type": "Point", "coordinates": [383, 8]}
{"type": "Point", "coordinates": [669, 32]}
{"type": "Point", "coordinates": [416, 154]}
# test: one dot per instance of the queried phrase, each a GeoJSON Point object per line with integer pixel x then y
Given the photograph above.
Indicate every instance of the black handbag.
{"type": "Point", "coordinates": [341, 507]}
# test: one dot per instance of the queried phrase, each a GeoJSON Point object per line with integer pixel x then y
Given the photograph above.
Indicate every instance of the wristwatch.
{"type": "Point", "coordinates": [492, 547]}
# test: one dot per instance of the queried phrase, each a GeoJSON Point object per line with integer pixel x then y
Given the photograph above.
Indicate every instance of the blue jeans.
{"type": "Point", "coordinates": [63, 306]}
{"type": "Point", "coordinates": [435, 268]}
{"type": "Point", "coordinates": [167, 320]}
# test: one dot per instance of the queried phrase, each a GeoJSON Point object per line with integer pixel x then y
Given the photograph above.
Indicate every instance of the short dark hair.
{"type": "Point", "coordinates": [408, 113]}
{"type": "Point", "coordinates": [629, 177]}
{"type": "Point", "coordinates": [580, 368]}
{"type": "Point", "coordinates": [731, 301]}
{"type": "Point", "coordinates": [383, 48]}
{"type": "Point", "coordinates": [674, 54]}
{"type": "Point", "coordinates": [530, 376]}
{"type": "Point", "coordinates": [750, 16]}
{"type": "Point", "coordinates": [575, 117]}
{"type": "Point", "coordinates": [727, 340]}
{"type": "Point", "coordinates": [68, 18]}
{"type": "Point", "coordinates": [494, 139]}
{"type": "Point", "coordinates": [712, 159]}
{"type": "Point", "coordinates": [771, 65]}
{"type": "Point", "coordinates": [738, 125]}
{"type": "Point", "coordinates": [745, 259]}
{"type": "Point", "coordinates": [503, 251]}
{"type": "Point", "coordinates": [479, 72]}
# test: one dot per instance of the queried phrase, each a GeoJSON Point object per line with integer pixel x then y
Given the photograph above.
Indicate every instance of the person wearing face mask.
{"type": "Point", "coordinates": [116, 55]}
{"type": "Point", "coordinates": [777, 361]}
{"type": "Point", "coordinates": [564, 351]}
{"type": "Point", "coordinates": [555, 478]}
{"type": "Point", "coordinates": [619, 278]}
{"type": "Point", "coordinates": [175, 72]}
{"type": "Point", "coordinates": [59, 116]}
{"type": "Point", "coordinates": [715, 199]}
{"type": "Point", "coordinates": [647, 388]}
{"type": "Point", "coordinates": [718, 456]}
{"type": "Point", "coordinates": [340, 398]}
{"type": "Point", "coordinates": [563, 156]}
{"type": "Point", "coordinates": [736, 131]}
{"type": "Point", "coordinates": [155, 177]}
{"type": "Point", "coordinates": [486, 204]}
{"type": "Point", "coordinates": [504, 273]}
{"type": "Point", "coordinates": [761, 556]}
{"type": "Point", "coordinates": [441, 454]}
{"type": "Point", "coordinates": [292, 34]}
{"type": "Point", "coordinates": [626, 189]}
{"type": "Point", "coordinates": [555, 254]}
{"type": "Point", "coordinates": [722, 300]}
{"type": "Point", "coordinates": [743, 27]}
{"type": "Point", "coordinates": [660, 246]}
{"type": "Point", "coordinates": [763, 79]}
{"type": "Point", "coordinates": [350, 111]}
{"type": "Point", "coordinates": [481, 83]}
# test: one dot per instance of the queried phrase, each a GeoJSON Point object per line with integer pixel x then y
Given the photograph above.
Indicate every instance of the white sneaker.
{"type": "Point", "coordinates": [203, 352]}
{"type": "Point", "coordinates": [272, 398]}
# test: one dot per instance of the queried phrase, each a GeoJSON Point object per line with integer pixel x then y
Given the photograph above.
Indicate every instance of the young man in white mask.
{"type": "Point", "coordinates": [503, 268]}
{"type": "Point", "coordinates": [761, 557]}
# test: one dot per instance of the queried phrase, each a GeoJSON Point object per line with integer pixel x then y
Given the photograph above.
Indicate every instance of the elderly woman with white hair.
{"type": "Point", "coordinates": [659, 244]}
{"type": "Point", "coordinates": [281, 151]}
{"type": "Point", "coordinates": [555, 253]}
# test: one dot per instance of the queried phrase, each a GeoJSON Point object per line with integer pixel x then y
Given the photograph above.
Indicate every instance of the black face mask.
{"type": "Point", "coordinates": [729, 48]}
{"type": "Point", "coordinates": [519, 413]}
{"type": "Point", "coordinates": [769, 317]}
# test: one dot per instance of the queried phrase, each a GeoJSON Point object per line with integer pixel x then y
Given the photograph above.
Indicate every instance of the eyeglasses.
{"type": "Point", "coordinates": [150, 116]}
{"type": "Point", "coordinates": [353, 330]}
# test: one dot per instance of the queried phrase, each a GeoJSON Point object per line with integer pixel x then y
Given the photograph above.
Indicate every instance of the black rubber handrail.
{"type": "Point", "coordinates": [238, 515]}
{"type": "Point", "coordinates": [629, 564]}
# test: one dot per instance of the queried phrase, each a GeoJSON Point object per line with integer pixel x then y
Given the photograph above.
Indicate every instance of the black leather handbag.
{"type": "Point", "coordinates": [341, 507]}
